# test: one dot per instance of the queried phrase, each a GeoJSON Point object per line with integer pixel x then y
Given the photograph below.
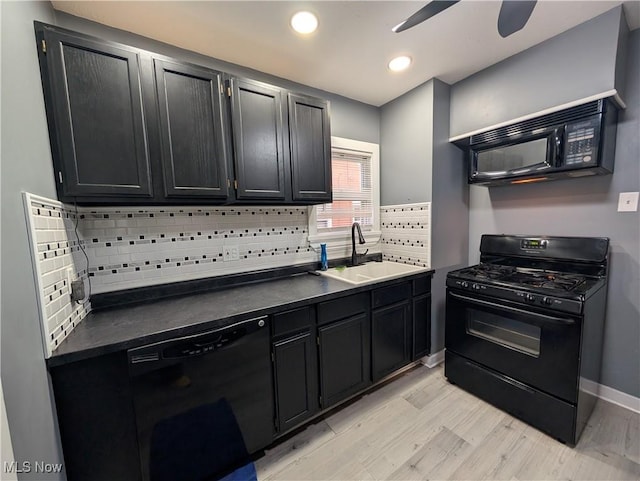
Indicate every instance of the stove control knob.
{"type": "Point", "coordinates": [529, 298]}
{"type": "Point", "coordinates": [547, 300]}
{"type": "Point", "coordinates": [464, 284]}
{"type": "Point", "coordinates": [475, 286]}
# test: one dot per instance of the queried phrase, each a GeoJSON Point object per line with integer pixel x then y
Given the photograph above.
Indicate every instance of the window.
{"type": "Point", "coordinates": [356, 194]}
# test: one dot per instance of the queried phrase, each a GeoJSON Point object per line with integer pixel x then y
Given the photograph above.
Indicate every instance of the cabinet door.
{"type": "Point", "coordinates": [310, 148]}
{"type": "Point", "coordinates": [391, 339]}
{"type": "Point", "coordinates": [421, 326]}
{"type": "Point", "coordinates": [258, 140]}
{"type": "Point", "coordinates": [192, 130]}
{"type": "Point", "coordinates": [96, 119]}
{"type": "Point", "coordinates": [345, 366]}
{"type": "Point", "coordinates": [296, 378]}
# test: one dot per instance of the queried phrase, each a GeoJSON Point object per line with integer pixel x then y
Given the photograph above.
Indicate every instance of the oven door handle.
{"type": "Point", "coordinates": [558, 320]}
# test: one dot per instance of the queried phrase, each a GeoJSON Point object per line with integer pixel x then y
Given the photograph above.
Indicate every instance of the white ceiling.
{"type": "Point", "coordinates": [349, 53]}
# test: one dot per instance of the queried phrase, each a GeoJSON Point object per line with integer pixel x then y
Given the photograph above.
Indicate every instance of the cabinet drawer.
{"type": "Point", "coordinates": [292, 321]}
{"type": "Point", "coordinates": [342, 308]}
{"type": "Point", "coordinates": [422, 285]}
{"type": "Point", "coordinates": [391, 294]}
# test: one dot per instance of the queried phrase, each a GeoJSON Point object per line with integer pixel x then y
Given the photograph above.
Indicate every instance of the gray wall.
{"type": "Point", "coordinates": [586, 207]}
{"type": "Point", "coordinates": [406, 140]}
{"type": "Point", "coordinates": [349, 118]}
{"type": "Point", "coordinates": [450, 210]}
{"type": "Point", "coordinates": [573, 65]}
{"type": "Point", "coordinates": [418, 164]}
{"type": "Point", "coordinates": [26, 165]}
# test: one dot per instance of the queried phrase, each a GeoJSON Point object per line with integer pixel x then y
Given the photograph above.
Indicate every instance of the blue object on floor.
{"type": "Point", "coordinates": [245, 473]}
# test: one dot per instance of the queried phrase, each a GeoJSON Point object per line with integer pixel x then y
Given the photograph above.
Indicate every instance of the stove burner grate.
{"type": "Point", "coordinates": [526, 277]}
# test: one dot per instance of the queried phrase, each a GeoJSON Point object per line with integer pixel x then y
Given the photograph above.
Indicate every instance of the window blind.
{"type": "Point", "coordinates": [352, 193]}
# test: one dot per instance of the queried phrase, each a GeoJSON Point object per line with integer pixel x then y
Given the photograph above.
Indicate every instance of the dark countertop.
{"type": "Point", "coordinates": [120, 328]}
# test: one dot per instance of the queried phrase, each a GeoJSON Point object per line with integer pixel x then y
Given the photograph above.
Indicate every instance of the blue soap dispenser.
{"type": "Point", "coordinates": [324, 262]}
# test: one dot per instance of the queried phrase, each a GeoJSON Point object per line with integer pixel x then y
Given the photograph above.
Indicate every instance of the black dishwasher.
{"type": "Point", "coordinates": [204, 402]}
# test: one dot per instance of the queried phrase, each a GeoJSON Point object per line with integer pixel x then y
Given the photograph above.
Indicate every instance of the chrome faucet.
{"type": "Point", "coordinates": [354, 255]}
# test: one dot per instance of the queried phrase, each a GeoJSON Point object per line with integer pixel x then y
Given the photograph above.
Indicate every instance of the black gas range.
{"type": "Point", "coordinates": [524, 328]}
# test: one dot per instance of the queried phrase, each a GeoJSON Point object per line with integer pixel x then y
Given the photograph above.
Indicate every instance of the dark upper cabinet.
{"type": "Point", "coordinates": [310, 148]}
{"type": "Point", "coordinates": [259, 144]}
{"type": "Point", "coordinates": [118, 114]}
{"type": "Point", "coordinates": [95, 114]}
{"type": "Point", "coordinates": [192, 130]}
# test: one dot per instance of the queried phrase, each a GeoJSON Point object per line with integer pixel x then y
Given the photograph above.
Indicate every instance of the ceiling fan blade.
{"type": "Point", "coordinates": [514, 15]}
{"type": "Point", "coordinates": [429, 10]}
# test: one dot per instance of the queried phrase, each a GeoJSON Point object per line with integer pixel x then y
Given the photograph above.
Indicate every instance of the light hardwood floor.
{"type": "Point", "coordinates": [420, 427]}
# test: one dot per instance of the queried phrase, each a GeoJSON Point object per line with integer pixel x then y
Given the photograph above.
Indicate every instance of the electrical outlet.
{"type": "Point", "coordinates": [77, 290]}
{"type": "Point", "coordinates": [628, 202]}
{"type": "Point", "coordinates": [230, 253]}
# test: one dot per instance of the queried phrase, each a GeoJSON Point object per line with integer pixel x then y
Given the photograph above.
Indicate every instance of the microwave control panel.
{"type": "Point", "coordinates": [582, 142]}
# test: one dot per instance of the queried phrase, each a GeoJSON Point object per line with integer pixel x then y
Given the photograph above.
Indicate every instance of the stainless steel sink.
{"type": "Point", "coordinates": [372, 272]}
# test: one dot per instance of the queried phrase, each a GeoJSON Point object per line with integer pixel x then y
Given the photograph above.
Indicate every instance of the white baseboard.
{"type": "Point", "coordinates": [611, 395]}
{"type": "Point", "coordinates": [432, 360]}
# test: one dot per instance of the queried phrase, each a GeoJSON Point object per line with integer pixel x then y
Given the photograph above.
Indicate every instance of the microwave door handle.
{"type": "Point", "coordinates": [553, 319]}
{"type": "Point", "coordinates": [557, 147]}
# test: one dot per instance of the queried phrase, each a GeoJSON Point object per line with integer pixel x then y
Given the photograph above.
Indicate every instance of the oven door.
{"type": "Point", "coordinates": [536, 347]}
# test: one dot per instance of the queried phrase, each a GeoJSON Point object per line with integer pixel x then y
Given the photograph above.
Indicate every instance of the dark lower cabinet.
{"type": "Point", "coordinates": [192, 130]}
{"type": "Point", "coordinates": [421, 326]}
{"type": "Point", "coordinates": [295, 367]}
{"type": "Point", "coordinates": [344, 348]}
{"type": "Point", "coordinates": [391, 339]}
{"type": "Point", "coordinates": [97, 127]}
{"type": "Point", "coordinates": [296, 379]}
{"type": "Point", "coordinates": [421, 312]}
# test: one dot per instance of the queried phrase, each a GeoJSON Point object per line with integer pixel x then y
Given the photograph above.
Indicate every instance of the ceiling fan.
{"type": "Point", "coordinates": [513, 16]}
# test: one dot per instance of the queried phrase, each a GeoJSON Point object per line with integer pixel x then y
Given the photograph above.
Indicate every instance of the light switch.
{"type": "Point", "coordinates": [628, 202]}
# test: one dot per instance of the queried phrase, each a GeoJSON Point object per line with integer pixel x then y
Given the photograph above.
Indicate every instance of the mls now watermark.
{"type": "Point", "coordinates": [31, 467]}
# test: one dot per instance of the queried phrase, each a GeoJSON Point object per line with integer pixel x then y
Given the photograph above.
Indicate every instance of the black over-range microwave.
{"type": "Point", "coordinates": [576, 142]}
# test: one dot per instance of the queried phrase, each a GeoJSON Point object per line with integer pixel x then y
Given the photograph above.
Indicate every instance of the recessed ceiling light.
{"type": "Point", "coordinates": [399, 64]}
{"type": "Point", "coordinates": [304, 22]}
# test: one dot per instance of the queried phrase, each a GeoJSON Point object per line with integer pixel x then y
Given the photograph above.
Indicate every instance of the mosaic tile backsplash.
{"type": "Point", "coordinates": [406, 233]}
{"type": "Point", "coordinates": [133, 247]}
{"type": "Point", "coordinates": [128, 247]}
{"type": "Point", "coordinates": [56, 259]}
